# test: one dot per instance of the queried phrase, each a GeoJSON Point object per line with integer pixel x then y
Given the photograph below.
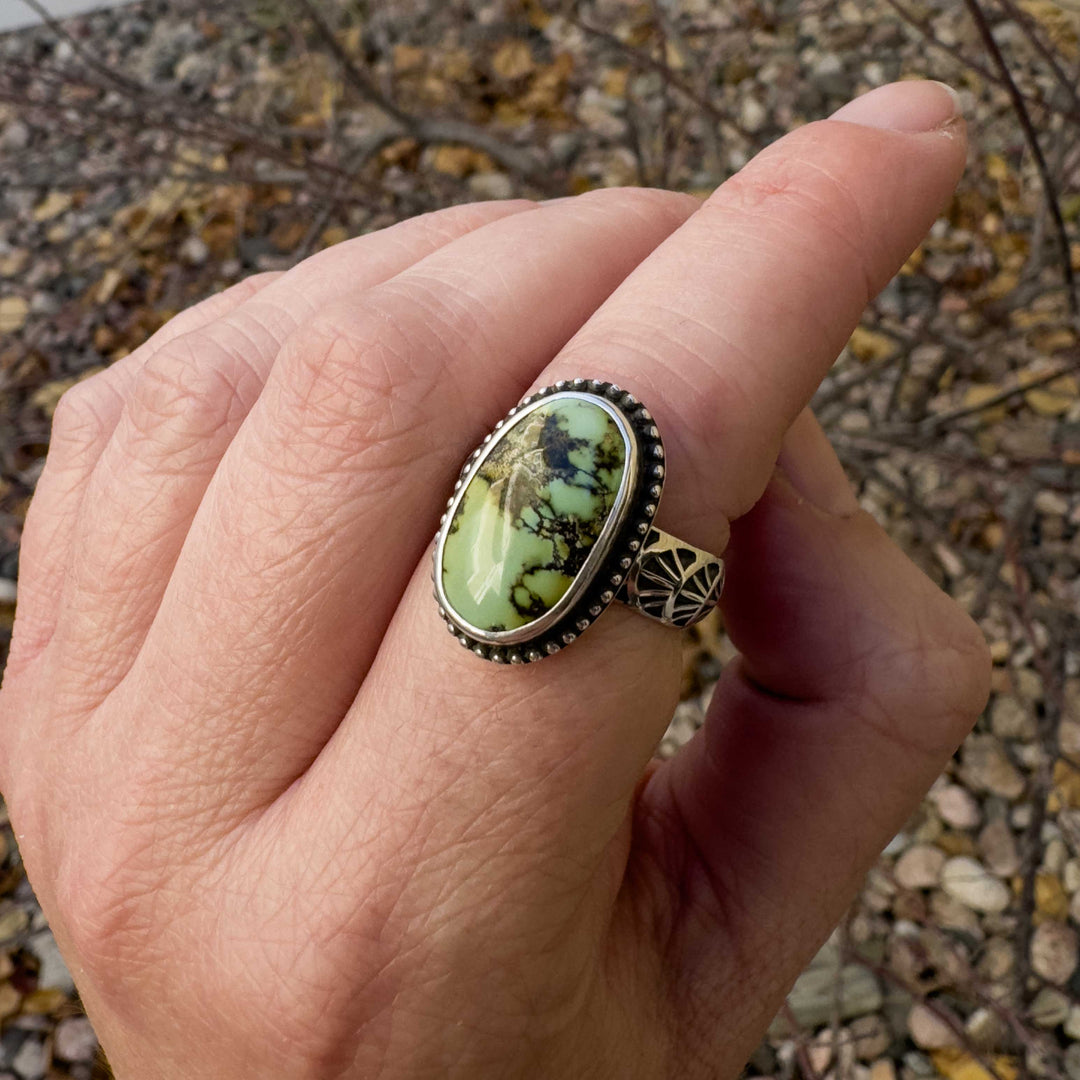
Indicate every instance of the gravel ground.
{"type": "Point", "coordinates": [162, 151]}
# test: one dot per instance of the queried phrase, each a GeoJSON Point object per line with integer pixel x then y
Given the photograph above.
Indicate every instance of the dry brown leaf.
{"type": "Point", "coordinates": [513, 59]}
{"type": "Point", "coordinates": [55, 203]}
{"type": "Point", "coordinates": [13, 312]}
{"type": "Point", "coordinates": [980, 392]}
{"type": "Point", "coordinates": [956, 1064]}
{"type": "Point", "coordinates": [870, 345]}
{"type": "Point", "coordinates": [460, 161]}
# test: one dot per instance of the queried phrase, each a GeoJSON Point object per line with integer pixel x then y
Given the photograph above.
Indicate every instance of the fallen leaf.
{"type": "Point", "coordinates": [1054, 399]}
{"type": "Point", "coordinates": [513, 59]}
{"type": "Point", "coordinates": [956, 1064]}
{"type": "Point", "coordinates": [56, 202]}
{"type": "Point", "coordinates": [13, 312]}
{"type": "Point", "coordinates": [870, 345]}
{"type": "Point", "coordinates": [982, 392]}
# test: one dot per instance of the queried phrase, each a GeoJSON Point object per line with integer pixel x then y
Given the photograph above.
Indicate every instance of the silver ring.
{"type": "Point", "coordinates": [551, 520]}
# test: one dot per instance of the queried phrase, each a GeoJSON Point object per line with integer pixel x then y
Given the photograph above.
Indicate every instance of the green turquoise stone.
{"type": "Point", "coordinates": [527, 519]}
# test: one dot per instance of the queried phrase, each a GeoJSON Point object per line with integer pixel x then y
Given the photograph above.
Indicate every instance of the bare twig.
{"type": "Point", "coordinates": [1024, 117]}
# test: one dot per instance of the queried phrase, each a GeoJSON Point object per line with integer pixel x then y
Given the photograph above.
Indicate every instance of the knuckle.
{"type": "Point", "coordinates": [81, 415]}
{"type": "Point", "coordinates": [187, 391]}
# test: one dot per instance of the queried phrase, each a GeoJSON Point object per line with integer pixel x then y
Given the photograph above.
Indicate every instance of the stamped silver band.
{"type": "Point", "coordinates": [672, 581]}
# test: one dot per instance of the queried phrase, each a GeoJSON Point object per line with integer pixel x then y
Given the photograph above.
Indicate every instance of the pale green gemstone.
{"type": "Point", "coordinates": [529, 517]}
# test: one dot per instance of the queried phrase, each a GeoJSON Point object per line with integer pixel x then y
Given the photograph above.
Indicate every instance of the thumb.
{"type": "Point", "coordinates": [857, 679]}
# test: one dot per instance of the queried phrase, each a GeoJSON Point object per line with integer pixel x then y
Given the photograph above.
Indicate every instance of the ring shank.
{"type": "Point", "coordinates": [672, 581]}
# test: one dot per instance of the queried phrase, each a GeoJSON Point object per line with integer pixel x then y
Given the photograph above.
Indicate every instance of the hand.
{"type": "Point", "coordinates": [285, 826]}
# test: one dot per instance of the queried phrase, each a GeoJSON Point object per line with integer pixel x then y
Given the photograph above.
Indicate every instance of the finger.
{"type": "Point", "coordinates": [723, 332]}
{"type": "Point", "coordinates": [83, 422]}
{"type": "Point", "coordinates": [328, 495]}
{"type": "Point", "coordinates": [858, 679]}
{"type": "Point", "coordinates": [182, 407]}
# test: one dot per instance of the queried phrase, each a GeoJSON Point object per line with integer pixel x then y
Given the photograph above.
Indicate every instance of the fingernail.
{"type": "Point", "coordinates": [913, 106]}
{"type": "Point", "coordinates": [811, 464]}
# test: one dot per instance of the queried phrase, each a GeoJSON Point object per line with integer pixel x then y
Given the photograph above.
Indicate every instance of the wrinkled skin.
{"type": "Point", "coordinates": [283, 825]}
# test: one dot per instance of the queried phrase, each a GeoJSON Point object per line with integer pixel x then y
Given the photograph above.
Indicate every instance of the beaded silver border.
{"type": "Point", "coordinates": [593, 590]}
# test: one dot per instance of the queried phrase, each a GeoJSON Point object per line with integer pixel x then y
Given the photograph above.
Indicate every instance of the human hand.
{"type": "Point", "coordinates": [284, 826]}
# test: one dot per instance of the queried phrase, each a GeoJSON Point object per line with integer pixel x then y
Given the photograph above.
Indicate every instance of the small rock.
{"type": "Point", "coordinates": [820, 1051]}
{"type": "Point", "coordinates": [74, 1039]}
{"type": "Point", "coordinates": [491, 185]}
{"type": "Point", "coordinates": [919, 1064]}
{"type": "Point", "coordinates": [957, 807]}
{"type": "Point", "coordinates": [1072, 1062]}
{"type": "Point", "coordinates": [998, 848]}
{"type": "Point", "coordinates": [752, 114]}
{"type": "Point", "coordinates": [883, 1069]}
{"type": "Point", "coordinates": [920, 867]}
{"type": "Point", "coordinates": [13, 921]}
{"type": "Point", "coordinates": [1072, 1023]}
{"type": "Point", "coordinates": [928, 1030]}
{"type": "Point", "coordinates": [54, 971]}
{"type": "Point", "coordinates": [32, 1060]}
{"type": "Point", "coordinates": [871, 1037]}
{"type": "Point", "coordinates": [987, 767]}
{"type": "Point", "coordinates": [967, 881]}
{"type": "Point", "coordinates": [1070, 876]}
{"type": "Point", "coordinates": [194, 251]}
{"type": "Point", "coordinates": [1050, 1008]}
{"type": "Point", "coordinates": [16, 136]}
{"type": "Point", "coordinates": [8, 591]}
{"type": "Point", "coordinates": [986, 1029]}
{"type": "Point", "coordinates": [1054, 952]}
{"type": "Point", "coordinates": [1011, 719]}
{"type": "Point", "coordinates": [821, 990]}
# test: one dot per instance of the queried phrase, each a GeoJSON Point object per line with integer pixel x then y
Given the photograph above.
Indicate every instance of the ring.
{"type": "Point", "coordinates": [551, 520]}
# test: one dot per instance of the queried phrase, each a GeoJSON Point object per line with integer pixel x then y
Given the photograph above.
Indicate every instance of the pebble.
{"type": "Point", "coordinates": [986, 1029]}
{"type": "Point", "coordinates": [1050, 1008]}
{"type": "Point", "coordinates": [871, 1037]}
{"type": "Point", "coordinates": [13, 921]}
{"type": "Point", "coordinates": [194, 251]}
{"type": "Point", "coordinates": [75, 1039]}
{"type": "Point", "coordinates": [920, 867]}
{"type": "Point", "coordinates": [928, 1030]}
{"type": "Point", "coordinates": [883, 1069]}
{"type": "Point", "coordinates": [491, 185]}
{"type": "Point", "coordinates": [1054, 952]}
{"type": "Point", "coordinates": [967, 881]}
{"type": "Point", "coordinates": [958, 807]}
{"type": "Point", "coordinates": [8, 591]}
{"type": "Point", "coordinates": [1072, 1062]}
{"type": "Point", "coordinates": [998, 848]}
{"type": "Point", "coordinates": [54, 971]}
{"type": "Point", "coordinates": [1011, 719]}
{"type": "Point", "coordinates": [1071, 1026]}
{"type": "Point", "coordinates": [818, 992]}
{"type": "Point", "coordinates": [10, 999]}
{"type": "Point", "coordinates": [32, 1060]}
{"type": "Point", "coordinates": [987, 767]}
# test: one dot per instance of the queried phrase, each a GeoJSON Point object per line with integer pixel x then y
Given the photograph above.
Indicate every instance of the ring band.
{"type": "Point", "coordinates": [551, 520]}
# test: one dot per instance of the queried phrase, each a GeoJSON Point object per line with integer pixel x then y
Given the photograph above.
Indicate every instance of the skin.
{"type": "Point", "coordinates": [283, 825]}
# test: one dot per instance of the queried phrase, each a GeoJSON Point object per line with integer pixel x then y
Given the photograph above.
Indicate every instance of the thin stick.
{"type": "Point", "coordinates": [1022, 114]}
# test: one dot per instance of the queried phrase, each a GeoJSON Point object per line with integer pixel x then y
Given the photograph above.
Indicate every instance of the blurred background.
{"type": "Point", "coordinates": [153, 153]}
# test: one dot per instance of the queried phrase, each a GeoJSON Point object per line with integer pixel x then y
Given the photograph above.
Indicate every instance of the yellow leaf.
{"type": "Point", "coordinates": [14, 262]}
{"type": "Point", "coordinates": [956, 1064]}
{"type": "Point", "coordinates": [109, 283]}
{"type": "Point", "coordinates": [1055, 398]}
{"type": "Point", "coordinates": [55, 203]}
{"type": "Point", "coordinates": [407, 58]}
{"type": "Point", "coordinates": [1002, 285]}
{"type": "Point", "coordinates": [870, 345]}
{"type": "Point", "coordinates": [978, 394]}
{"type": "Point", "coordinates": [1051, 899]}
{"type": "Point", "coordinates": [614, 82]}
{"type": "Point", "coordinates": [1051, 341]}
{"type": "Point", "coordinates": [334, 235]}
{"type": "Point", "coordinates": [13, 312]}
{"type": "Point", "coordinates": [997, 168]}
{"type": "Point", "coordinates": [914, 262]}
{"type": "Point", "coordinates": [460, 161]}
{"type": "Point", "coordinates": [513, 60]}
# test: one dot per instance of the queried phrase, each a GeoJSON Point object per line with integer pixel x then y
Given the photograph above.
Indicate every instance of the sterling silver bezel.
{"type": "Point", "coordinates": [624, 531]}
